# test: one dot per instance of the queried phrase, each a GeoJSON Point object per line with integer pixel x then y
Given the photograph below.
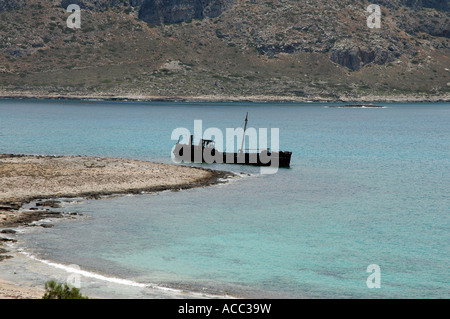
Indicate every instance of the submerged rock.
{"type": "Point", "coordinates": [49, 203]}
{"type": "Point", "coordinates": [358, 105]}
{"type": "Point", "coordinates": [8, 231]}
{"type": "Point", "coordinates": [46, 225]}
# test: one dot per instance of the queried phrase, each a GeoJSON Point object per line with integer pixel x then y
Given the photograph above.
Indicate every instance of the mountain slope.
{"type": "Point", "coordinates": [286, 49]}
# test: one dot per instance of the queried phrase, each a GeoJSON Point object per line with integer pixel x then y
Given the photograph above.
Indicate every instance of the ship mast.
{"type": "Point", "coordinates": [243, 137]}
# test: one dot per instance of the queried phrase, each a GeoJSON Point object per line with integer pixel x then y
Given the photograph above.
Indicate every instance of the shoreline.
{"type": "Point", "coordinates": [411, 98]}
{"type": "Point", "coordinates": [46, 180]}
{"type": "Point", "coordinates": [59, 169]}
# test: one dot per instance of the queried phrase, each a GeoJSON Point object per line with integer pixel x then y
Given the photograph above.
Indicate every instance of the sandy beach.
{"type": "Point", "coordinates": [45, 179]}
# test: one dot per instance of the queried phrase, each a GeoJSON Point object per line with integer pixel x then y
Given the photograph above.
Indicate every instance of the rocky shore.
{"type": "Point", "coordinates": [46, 181]}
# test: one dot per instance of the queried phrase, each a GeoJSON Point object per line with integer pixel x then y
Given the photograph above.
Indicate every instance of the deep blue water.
{"type": "Point", "coordinates": [366, 186]}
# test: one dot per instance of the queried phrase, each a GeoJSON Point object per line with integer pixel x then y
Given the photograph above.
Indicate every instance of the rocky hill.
{"type": "Point", "coordinates": [253, 49]}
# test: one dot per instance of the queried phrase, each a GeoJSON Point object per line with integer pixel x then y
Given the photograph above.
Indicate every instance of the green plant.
{"type": "Point", "coordinates": [59, 291]}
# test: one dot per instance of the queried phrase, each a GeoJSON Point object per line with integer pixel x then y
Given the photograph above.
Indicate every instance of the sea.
{"type": "Point", "coordinates": [363, 211]}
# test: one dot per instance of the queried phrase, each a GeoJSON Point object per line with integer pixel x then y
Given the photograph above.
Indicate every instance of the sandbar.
{"type": "Point", "coordinates": [45, 179]}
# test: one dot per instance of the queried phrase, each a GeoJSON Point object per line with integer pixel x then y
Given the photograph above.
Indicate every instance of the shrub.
{"type": "Point", "coordinates": [58, 291]}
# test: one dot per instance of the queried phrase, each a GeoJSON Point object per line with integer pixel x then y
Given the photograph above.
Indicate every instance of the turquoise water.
{"type": "Point", "coordinates": [366, 186]}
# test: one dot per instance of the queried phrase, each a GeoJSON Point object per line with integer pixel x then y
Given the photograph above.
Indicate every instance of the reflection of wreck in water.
{"type": "Point", "coordinates": [206, 152]}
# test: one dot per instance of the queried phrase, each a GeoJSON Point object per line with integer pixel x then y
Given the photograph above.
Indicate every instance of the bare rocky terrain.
{"type": "Point", "coordinates": [226, 49]}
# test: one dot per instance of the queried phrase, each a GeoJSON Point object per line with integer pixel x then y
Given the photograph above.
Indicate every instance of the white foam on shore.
{"type": "Point", "coordinates": [76, 270]}
{"type": "Point", "coordinates": [84, 273]}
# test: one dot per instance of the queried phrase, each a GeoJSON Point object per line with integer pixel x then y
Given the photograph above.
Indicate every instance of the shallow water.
{"type": "Point", "coordinates": [366, 186]}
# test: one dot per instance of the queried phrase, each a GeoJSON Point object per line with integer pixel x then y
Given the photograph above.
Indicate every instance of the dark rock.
{"type": "Point", "coordinates": [9, 207]}
{"type": "Point", "coordinates": [7, 231]}
{"type": "Point", "coordinates": [2, 239]}
{"type": "Point", "coordinates": [220, 34]}
{"type": "Point", "coordinates": [46, 225]}
{"type": "Point", "coordinates": [53, 214]}
{"type": "Point", "coordinates": [16, 53]}
{"type": "Point", "coordinates": [3, 257]}
{"type": "Point", "coordinates": [272, 50]}
{"type": "Point", "coordinates": [49, 203]}
{"type": "Point", "coordinates": [11, 4]}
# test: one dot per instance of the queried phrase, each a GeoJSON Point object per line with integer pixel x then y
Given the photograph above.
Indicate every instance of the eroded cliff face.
{"type": "Point", "coordinates": [160, 11]}
{"type": "Point", "coordinates": [355, 57]}
{"type": "Point", "coordinates": [176, 11]}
